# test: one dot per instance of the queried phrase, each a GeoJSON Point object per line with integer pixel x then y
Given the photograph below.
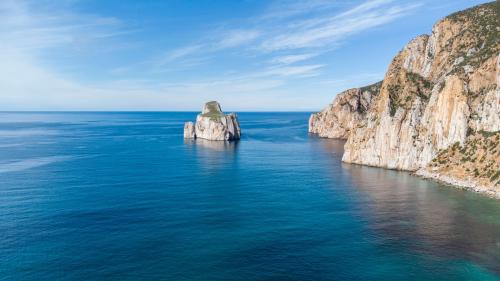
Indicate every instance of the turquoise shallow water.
{"type": "Point", "coordinates": [121, 196]}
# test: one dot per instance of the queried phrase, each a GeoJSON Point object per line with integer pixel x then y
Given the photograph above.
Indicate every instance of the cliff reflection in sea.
{"type": "Point", "coordinates": [427, 217]}
{"type": "Point", "coordinates": [216, 146]}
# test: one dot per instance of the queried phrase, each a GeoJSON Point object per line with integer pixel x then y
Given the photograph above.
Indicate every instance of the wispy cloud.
{"type": "Point", "coordinates": [302, 70]}
{"type": "Point", "coordinates": [193, 55]}
{"type": "Point", "coordinates": [177, 54]}
{"type": "Point", "coordinates": [312, 27]}
{"type": "Point", "coordinates": [233, 38]}
{"type": "Point", "coordinates": [282, 44]}
{"type": "Point", "coordinates": [328, 29]}
{"type": "Point", "coordinates": [43, 89]}
{"type": "Point", "coordinates": [289, 59]}
{"type": "Point", "coordinates": [21, 27]}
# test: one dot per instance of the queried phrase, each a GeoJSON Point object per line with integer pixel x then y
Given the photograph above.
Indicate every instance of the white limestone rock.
{"type": "Point", "coordinates": [213, 124]}
{"type": "Point", "coordinates": [427, 101]}
{"type": "Point", "coordinates": [189, 132]}
{"type": "Point", "coordinates": [344, 114]}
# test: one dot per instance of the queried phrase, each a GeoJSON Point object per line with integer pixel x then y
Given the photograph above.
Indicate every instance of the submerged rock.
{"type": "Point", "coordinates": [213, 124]}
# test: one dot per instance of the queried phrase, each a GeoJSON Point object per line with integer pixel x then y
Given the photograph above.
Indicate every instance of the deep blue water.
{"type": "Point", "coordinates": [121, 196]}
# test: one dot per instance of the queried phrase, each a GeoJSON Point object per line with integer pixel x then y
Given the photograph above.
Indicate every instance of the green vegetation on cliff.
{"type": "Point", "coordinates": [479, 156]}
{"type": "Point", "coordinates": [483, 22]}
{"type": "Point", "coordinates": [213, 111]}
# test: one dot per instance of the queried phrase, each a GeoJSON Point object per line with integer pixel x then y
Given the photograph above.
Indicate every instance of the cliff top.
{"type": "Point", "coordinates": [483, 21]}
{"type": "Point", "coordinates": [486, 11]}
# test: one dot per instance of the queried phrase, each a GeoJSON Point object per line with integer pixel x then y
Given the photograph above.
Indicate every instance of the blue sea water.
{"type": "Point", "coordinates": [121, 196]}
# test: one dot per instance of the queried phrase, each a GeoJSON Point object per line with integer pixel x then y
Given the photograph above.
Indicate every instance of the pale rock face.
{"type": "Point", "coordinates": [224, 128]}
{"type": "Point", "coordinates": [344, 114]}
{"type": "Point", "coordinates": [436, 90]}
{"type": "Point", "coordinates": [421, 126]}
{"type": "Point", "coordinates": [213, 124]}
{"type": "Point", "coordinates": [417, 59]}
{"type": "Point", "coordinates": [486, 109]}
{"type": "Point", "coordinates": [189, 130]}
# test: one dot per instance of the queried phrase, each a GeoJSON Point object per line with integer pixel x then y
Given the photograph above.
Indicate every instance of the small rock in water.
{"type": "Point", "coordinates": [213, 124]}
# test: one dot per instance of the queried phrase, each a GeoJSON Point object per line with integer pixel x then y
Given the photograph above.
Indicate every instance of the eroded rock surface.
{"type": "Point", "coordinates": [345, 113]}
{"type": "Point", "coordinates": [213, 124]}
{"type": "Point", "coordinates": [189, 132]}
{"type": "Point", "coordinates": [440, 90]}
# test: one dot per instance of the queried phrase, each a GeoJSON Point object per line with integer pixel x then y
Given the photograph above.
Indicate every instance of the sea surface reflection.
{"type": "Point", "coordinates": [122, 196]}
{"type": "Point", "coordinates": [425, 216]}
{"type": "Point", "coordinates": [428, 217]}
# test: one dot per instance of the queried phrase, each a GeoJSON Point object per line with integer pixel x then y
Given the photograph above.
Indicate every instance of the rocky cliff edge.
{"type": "Point", "coordinates": [439, 93]}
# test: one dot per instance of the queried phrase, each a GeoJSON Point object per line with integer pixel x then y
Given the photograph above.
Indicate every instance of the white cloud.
{"type": "Point", "coordinates": [368, 6]}
{"type": "Point", "coordinates": [235, 38]}
{"type": "Point", "coordinates": [285, 27]}
{"type": "Point", "coordinates": [329, 29]}
{"type": "Point", "coordinates": [43, 89]}
{"type": "Point", "coordinates": [301, 71]}
{"type": "Point", "coordinates": [25, 26]}
{"type": "Point", "coordinates": [292, 58]}
{"type": "Point", "coordinates": [282, 38]}
{"type": "Point", "coordinates": [193, 55]}
{"type": "Point", "coordinates": [177, 54]}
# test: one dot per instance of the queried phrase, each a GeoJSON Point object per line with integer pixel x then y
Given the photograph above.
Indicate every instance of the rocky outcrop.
{"type": "Point", "coordinates": [344, 114]}
{"type": "Point", "coordinates": [440, 90]}
{"type": "Point", "coordinates": [474, 164]}
{"type": "Point", "coordinates": [189, 132]}
{"type": "Point", "coordinates": [213, 124]}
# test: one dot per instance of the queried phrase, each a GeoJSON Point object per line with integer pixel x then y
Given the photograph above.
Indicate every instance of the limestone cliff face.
{"type": "Point", "coordinates": [344, 114]}
{"type": "Point", "coordinates": [439, 90]}
{"type": "Point", "coordinates": [213, 124]}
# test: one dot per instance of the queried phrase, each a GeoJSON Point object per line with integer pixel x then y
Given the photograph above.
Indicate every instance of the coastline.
{"type": "Point", "coordinates": [435, 114]}
{"type": "Point", "coordinates": [459, 183]}
{"type": "Point", "coordinates": [468, 185]}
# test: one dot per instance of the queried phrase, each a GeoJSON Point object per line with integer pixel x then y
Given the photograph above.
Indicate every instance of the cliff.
{"type": "Point", "coordinates": [345, 113]}
{"type": "Point", "coordinates": [213, 124]}
{"type": "Point", "coordinates": [440, 90]}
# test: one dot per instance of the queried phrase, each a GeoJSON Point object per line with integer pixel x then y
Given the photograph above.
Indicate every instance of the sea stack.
{"type": "Point", "coordinates": [213, 124]}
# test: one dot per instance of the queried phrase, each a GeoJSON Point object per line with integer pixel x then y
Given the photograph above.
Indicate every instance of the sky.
{"type": "Point", "coordinates": [154, 55]}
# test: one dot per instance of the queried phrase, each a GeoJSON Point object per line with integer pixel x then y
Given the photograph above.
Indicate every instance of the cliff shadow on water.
{"type": "Point", "coordinates": [427, 217]}
{"type": "Point", "coordinates": [420, 215]}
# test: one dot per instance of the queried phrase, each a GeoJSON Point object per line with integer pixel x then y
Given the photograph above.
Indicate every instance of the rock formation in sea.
{"type": "Point", "coordinates": [436, 112]}
{"type": "Point", "coordinates": [213, 124]}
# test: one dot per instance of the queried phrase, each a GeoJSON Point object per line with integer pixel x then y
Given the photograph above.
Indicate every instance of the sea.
{"type": "Point", "coordinates": [122, 196]}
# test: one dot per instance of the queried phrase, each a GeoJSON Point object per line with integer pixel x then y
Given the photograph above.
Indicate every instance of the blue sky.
{"type": "Point", "coordinates": [175, 55]}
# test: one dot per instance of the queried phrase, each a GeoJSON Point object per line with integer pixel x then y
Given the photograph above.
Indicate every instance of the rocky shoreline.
{"type": "Point", "coordinates": [470, 184]}
{"type": "Point", "coordinates": [436, 113]}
